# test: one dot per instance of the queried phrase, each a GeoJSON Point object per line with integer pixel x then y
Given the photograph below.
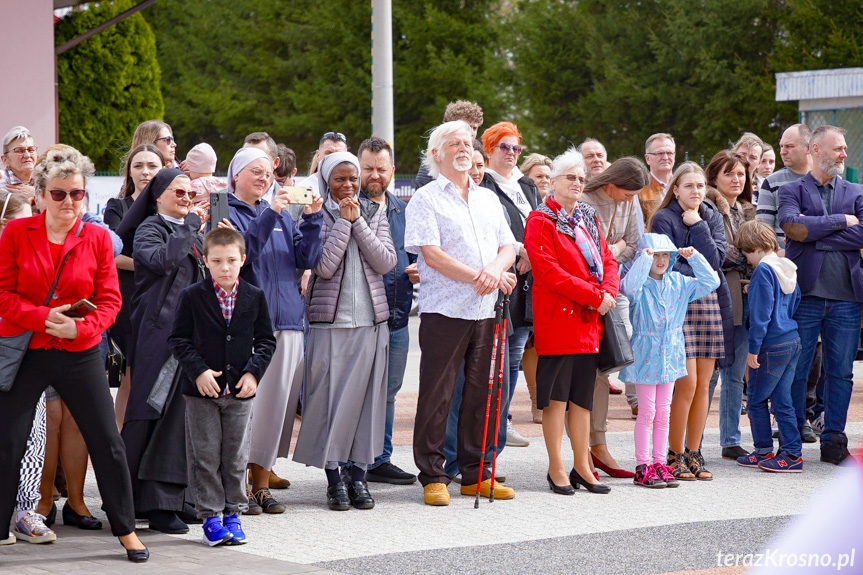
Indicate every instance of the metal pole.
{"type": "Point", "coordinates": [383, 124]}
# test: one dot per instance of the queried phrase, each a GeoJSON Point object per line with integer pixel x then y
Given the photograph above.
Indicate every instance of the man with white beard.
{"type": "Point", "coordinates": [821, 215]}
{"type": "Point", "coordinates": [464, 247]}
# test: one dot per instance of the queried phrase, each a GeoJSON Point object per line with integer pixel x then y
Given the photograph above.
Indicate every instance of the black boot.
{"type": "Point", "coordinates": [835, 449]}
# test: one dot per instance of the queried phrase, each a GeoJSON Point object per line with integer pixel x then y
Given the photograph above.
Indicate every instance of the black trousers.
{"type": "Point", "coordinates": [79, 378]}
{"type": "Point", "coordinates": [445, 342]}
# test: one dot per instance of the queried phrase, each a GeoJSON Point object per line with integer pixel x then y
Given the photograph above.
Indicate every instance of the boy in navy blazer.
{"type": "Point", "coordinates": [223, 340]}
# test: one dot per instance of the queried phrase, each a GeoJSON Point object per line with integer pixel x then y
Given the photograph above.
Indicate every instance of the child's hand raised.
{"type": "Point", "coordinates": [247, 386]}
{"type": "Point", "coordinates": [752, 361]}
{"type": "Point", "coordinates": [648, 252]}
{"type": "Point", "coordinates": [207, 384]}
{"type": "Point", "coordinates": [687, 252]}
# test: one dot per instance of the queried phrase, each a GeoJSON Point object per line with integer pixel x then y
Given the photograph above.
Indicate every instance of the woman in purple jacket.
{"type": "Point", "coordinates": [345, 385]}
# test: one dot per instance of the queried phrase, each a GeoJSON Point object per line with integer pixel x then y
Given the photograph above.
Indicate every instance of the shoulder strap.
{"type": "Point", "coordinates": [611, 225]}
{"type": "Point", "coordinates": [60, 269]}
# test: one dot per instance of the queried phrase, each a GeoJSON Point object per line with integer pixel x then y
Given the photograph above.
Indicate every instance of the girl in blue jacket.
{"type": "Point", "coordinates": [658, 306]}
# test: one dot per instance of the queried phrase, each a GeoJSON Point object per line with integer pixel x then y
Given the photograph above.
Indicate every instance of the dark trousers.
{"type": "Point", "coordinates": [79, 378]}
{"type": "Point", "coordinates": [445, 342]}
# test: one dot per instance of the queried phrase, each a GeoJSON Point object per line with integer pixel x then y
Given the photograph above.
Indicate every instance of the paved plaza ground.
{"type": "Point", "coordinates": [630, 531]}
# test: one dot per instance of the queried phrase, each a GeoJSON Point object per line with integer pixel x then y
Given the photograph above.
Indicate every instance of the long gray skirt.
{"type": "Point", "coordinates": [275, 405]}
{"type": "Point", "coordinates": [344, 395]}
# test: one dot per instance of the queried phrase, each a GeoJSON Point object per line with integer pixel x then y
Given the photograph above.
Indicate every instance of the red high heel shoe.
{"type": "Point", "coordinates": [610, 471]}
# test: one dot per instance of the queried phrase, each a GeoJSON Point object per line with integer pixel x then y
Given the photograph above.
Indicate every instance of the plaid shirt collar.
{"type": "Point", "coordinates": [227, 301]}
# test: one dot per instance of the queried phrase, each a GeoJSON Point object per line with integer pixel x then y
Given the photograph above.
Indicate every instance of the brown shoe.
{"type": "Point", "coordinates": [500, 491]}
{"type": "Point", "coordinates": [277, 482]}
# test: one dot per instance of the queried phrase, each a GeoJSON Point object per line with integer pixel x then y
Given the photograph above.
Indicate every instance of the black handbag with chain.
{"type": "Point", "coordinates": [13, 348]}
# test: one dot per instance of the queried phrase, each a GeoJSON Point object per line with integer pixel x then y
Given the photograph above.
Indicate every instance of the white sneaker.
{"type": "Point", "coordinates": [774, 427]}
{"type": "Point", "coordinates": [818, 424]}
{"type": "Point", "coordinates": [513, 437]}
{"type": "Point", "coordinates": [9, 540]}
{"type": "Point", "coordinates": [32, 528]}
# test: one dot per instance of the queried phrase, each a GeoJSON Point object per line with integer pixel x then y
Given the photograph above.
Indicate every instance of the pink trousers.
{"type": "Point", "coordinates": [654, 411]}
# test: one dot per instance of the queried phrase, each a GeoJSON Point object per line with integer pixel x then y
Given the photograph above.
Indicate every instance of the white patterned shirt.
{"type": "Point", "coordinates": [471, 232]}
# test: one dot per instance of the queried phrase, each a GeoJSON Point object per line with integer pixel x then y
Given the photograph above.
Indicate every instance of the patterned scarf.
{"type": "Point", "coordinates": [583, 216]}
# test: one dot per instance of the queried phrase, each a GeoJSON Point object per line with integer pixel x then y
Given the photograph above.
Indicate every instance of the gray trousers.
{"type": "Point", "coordinates": [218, 446]}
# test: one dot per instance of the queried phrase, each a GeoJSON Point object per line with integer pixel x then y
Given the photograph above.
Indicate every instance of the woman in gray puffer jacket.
{"type": "Point", "coordinates": [344, 394]}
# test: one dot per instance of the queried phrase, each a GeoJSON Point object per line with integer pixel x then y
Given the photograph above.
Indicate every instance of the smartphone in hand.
{"type": "Point", "coordinates": [300, 195]}
{"type": "Point", "coordinates": [80, 309]}
{"type": "Point", "coordinates": [218, 208]}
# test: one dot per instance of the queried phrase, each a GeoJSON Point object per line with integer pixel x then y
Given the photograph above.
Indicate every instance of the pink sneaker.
{"type": "Point", "coordinates": [645, 476]}
{"type": "Point", "coordinates": [666, 474]}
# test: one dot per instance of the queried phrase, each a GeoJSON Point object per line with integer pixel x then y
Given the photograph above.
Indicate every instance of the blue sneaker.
{"type": "Point", "coordinates": [752, 459]}
{"type": "Point", "coordinates": [215, 533]}
{"type": "Point", "coordinates": [782, 463]}
{"type": "Point", "coordinates": [232, 524]}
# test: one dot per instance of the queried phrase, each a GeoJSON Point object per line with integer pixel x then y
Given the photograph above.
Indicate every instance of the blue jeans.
{"type": "Point", "coordinates": [838, 324]}
{"type": "Point", "coordinates": [398, 359]}
{"type": "Point", "coordinates": [731, 392]}
{"type": "Point", "coordinates": [773, 381]}
{"type": "Point", "coordinates": [515, 344]}
{"type": "Point", "coordinates": [449, 449]}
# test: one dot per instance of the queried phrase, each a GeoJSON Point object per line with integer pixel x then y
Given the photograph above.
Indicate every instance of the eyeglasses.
{"type": "Point", "coordinates": [168, 140]}
{"type": "Point", "coordinates": [507, 148]}
{"type": "Point", "coordinates": [661, 154]}
{"type": "Point", "coordinates": [572, 178]}
{"type": "Point", "coordinates": [60, 195]}
{"type": "Point", "coordinates": [259, 173]}
{"type": "Point", "coordinates": [22, 151]}
{"type": "Point", "coordinates": [334, 136]}
{"type": "Point", "coordinates": [180, 192]}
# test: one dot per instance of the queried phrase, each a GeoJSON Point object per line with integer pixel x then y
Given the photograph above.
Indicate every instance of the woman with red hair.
{"type": "Point", "coordinates": [519, 196]}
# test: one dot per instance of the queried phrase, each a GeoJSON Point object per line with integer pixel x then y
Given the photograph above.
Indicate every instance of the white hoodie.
{"type": "Point", "coordinates": [785, 270]}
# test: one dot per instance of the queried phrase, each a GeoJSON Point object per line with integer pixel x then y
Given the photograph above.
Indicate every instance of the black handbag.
{"type": "Point", "coordinates": [615, 351]}
{"type": "Point", "coordinates": [115, 363]}
{"type": "Point", "coordinates": [13, 347]}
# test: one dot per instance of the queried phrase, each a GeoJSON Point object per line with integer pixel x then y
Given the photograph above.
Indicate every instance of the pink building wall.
{"type": "Point", "coordinates": [27, 69]}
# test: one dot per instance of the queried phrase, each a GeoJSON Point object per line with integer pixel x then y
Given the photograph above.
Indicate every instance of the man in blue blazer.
{"type": "Point", "coordinates": [821, 215]}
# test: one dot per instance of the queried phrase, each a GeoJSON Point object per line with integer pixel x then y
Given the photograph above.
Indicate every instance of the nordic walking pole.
{"type": "Point", "coordinates": [504, 309]}
{"type": "Point", "coordinates": [491, 378]}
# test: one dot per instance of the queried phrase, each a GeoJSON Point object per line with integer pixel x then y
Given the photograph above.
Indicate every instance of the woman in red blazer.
{"type": "Point", "coordinates": [63, 352]}
{"type": "Point", "coordinates": [575, 283]}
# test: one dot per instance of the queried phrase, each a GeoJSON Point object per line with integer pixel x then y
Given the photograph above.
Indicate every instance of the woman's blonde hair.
{"type": "Point", "coordinates": [63, 162]}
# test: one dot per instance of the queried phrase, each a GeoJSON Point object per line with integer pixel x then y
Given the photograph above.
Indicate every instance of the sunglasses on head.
{"type": "Point", "coordinates": [60, 195]}
{"type": "Point", "coordinates": [506, 148]}
{"type": "Point", "coordinates": [334, 136]}
{"type": "Point", "coordinates": [180, 192]}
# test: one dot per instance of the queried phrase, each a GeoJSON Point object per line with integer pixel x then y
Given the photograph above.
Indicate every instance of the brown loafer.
{"type": "Point", "coordinates": [277, 482]}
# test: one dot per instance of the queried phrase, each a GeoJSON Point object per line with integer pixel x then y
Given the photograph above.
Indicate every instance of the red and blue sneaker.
{"type": "Point", "coordinates": [752, 459]}
{"type": "Point", "coordinates": [215, 533]}
{"type": "Point", "coordinates": [782, 463]}
{"type": "Point", "coordinates": [232, 524]}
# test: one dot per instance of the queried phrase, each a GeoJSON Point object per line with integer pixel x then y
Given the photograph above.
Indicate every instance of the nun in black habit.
{"type": "Point", "coordinates": [167, 249]}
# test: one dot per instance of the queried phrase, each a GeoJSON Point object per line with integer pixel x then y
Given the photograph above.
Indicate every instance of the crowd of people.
{"type": "Point", "coordinates": [294, 308]}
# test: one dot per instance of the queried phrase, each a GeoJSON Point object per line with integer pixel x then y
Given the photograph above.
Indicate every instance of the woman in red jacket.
{"type": "Point", "coordinates": [63, 352]}
{"type": "Point", "coordinates": [575, 284]}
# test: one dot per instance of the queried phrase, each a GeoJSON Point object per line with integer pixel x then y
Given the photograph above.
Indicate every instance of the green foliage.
{"type": "Point", "coordinates": [700, 70]}
{"type": "Point", "coordinates": [298, 69]}
{"type": "Point", "coordinates": [108, 84]}
{"type": "Point", "coordinates": [821, 34]}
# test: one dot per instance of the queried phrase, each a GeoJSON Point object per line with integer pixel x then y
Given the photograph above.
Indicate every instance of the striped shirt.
{"type": "Point", "coordinates": [768, 202]}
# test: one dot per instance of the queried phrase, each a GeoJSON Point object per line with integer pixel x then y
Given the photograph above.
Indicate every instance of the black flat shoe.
{"type": "Point", "coordinates": [52, 516]}
{"type": "Point", "coordinates": [559, 489]}
{"type": "Point", "coordinates": [71, 517]}
{"type": "Point", "coordinates": [337, 497]}
{"type": "Point", "coordinates": [358, 493]}
{"type": "Point", "coordinates": [734, 452]}
{"type": "Point", "coordinates": [189, 515]}
{"type": "Point", "coordinates": [136, 555]}
{"type": "Point", "coordinates": [166, 522]}
{"type": "Point", "coordinates": [576, 481]}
